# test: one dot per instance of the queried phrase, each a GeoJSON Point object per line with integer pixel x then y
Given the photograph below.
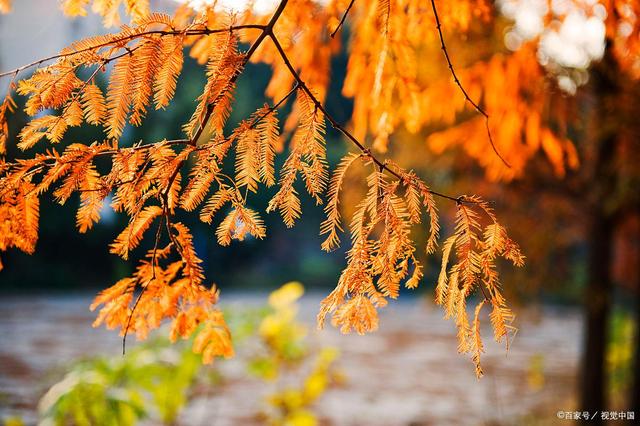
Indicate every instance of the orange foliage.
{"type": "Point", "coordinates": [5, 6]}
{"type": "Point", "coordinates": [394, 81]}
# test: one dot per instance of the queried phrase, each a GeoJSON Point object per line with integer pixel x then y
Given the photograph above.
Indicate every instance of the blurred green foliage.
{"type": "Point", "coordinates": [282, 337]}
{"type": "Point", "coordinates": [619, 353]}
{"type": "Point", "coordinates": [151, 381]}
{"type": "Point", "coordinates": [535, 372]}
{"type": "Point", "coordinates": [13, 421]}
{"type": "Point", "coordinates": [293, 404]}
{"type": "Point", "coordinates": [155, 381]}
{"type": "Point", "coordinates": [285, 351]}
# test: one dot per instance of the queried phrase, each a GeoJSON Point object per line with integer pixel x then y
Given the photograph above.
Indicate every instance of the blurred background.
{"type": "Point", "coordinates": [408, 372]}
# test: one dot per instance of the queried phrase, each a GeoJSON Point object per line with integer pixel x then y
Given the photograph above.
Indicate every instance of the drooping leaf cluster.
{"type": "Point", "coordinates": [150, 180]}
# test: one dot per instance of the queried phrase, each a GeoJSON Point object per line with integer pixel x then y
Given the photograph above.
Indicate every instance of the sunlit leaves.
{"type": "Point", "coordinates": [215, 101]}
{"type": "Point", "coordinates": [331, 225]}
{"type": "Point", "coordinates": [357, 314]}
{"type": "Point", "coordinates": [93, 104]}
{"type": "Point", "coordinates": [307, 157]}
{"type": "Point", "coordinates": [108, 9]}
{"type": "Point", "coordinates": [217, 171]}
{"type": "Point", "coordinates": [131, 236]}
{"type": "Point", "coordinates": [239, 223]}
{"type": "Point", "coordinates": [165, 81]}
{"type": "Point", "coordinates": [91, 200]}
{"type": "Point", "coordinates": [476, 252]}
{"type": "Point", "coordinates": [170, 291]}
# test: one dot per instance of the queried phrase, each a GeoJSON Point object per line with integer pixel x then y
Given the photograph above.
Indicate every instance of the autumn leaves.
{"type": "Point", "coordinates": [307, 158]}
{"type": "Point", "coordinates": [149, 181]}
{"type": "Point", "coordinates": [146, 67]}
{"type": "Point", "coordinates": [476, 252]}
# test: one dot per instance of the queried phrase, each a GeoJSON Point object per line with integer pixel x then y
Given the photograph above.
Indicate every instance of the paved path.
{"type": "Point", "coordinates": [408, 373]}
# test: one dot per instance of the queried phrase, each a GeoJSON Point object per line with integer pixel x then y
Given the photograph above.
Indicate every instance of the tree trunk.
{"type": "Point", "coordinates": [597, 308]}
{"type": "Point", "coordinates": [600, 185]}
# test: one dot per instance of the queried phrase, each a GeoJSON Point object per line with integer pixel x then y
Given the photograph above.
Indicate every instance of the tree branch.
{"type": "Point", "coordinates": [185, 32]}
{"type": "Point", "coordinates": [344, 17]}
{"type": "Point", "coordinates": [144, 288]}
{"type": "Point", "coordinates": [459, 84]}
{"type": "Point", "coordinates": [366, 151]}
{"type": "Point", "coordinates": [266, 30]}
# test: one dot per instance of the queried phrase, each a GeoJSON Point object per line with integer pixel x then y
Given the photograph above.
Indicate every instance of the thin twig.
{"type": "Point", "coordinates": [153, 277]}
{"type": "Point", "coordinates": [459, 84]}
{"type": "Point", "coordinates": [74, 96]}
{"type": "Point", "coordinates": [344, 17]}
{"type": "Point", "coordinates": [204, 31]}
{"type": "Point", "coordinates": [366, 151]}
{"type": "Point", "coordinates": [266, 30]}
{"type": "Point", "coordinates": [55, 158]}
{"type": "Point", "coordinates": [275, 106]}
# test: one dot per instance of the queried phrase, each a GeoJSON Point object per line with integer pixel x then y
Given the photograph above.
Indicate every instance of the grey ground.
{"type": "Point", "coordinates": [408, 373]}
